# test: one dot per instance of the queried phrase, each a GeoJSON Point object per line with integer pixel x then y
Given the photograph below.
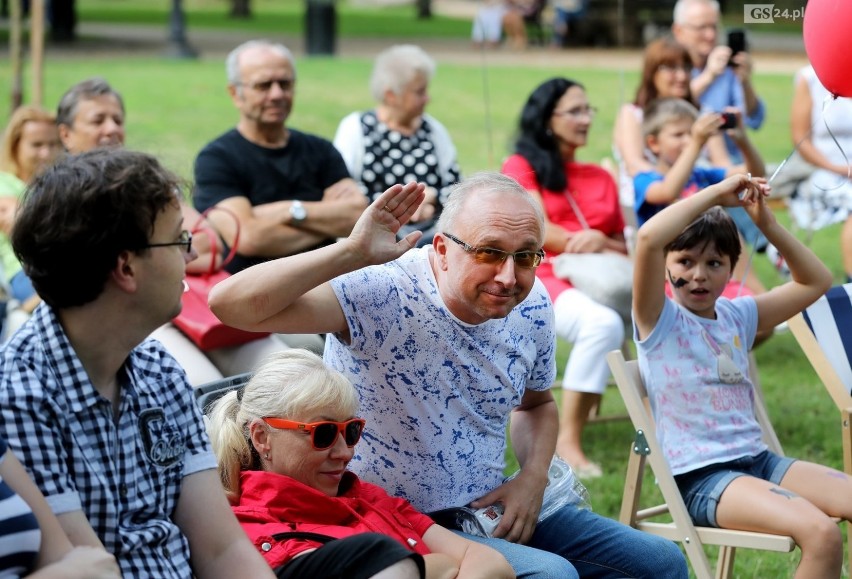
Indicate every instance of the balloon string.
{"type": "Point", "coordinates": [841, 181]}
{"type": "Point", "coordinates": [771, 179]}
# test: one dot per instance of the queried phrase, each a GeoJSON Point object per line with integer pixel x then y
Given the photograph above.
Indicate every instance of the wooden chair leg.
{"type": "Point", "coordinates": [725, 563]}
{"type": "Point", "coordinates": [632, 488]}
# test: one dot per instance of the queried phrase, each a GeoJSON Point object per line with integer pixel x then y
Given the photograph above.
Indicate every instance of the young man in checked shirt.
{"type": "Point", "coordinates": [103, 419]}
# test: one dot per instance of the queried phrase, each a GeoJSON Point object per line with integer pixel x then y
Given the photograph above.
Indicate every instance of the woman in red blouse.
{"type": "Point", "coordinates": [582, 214]}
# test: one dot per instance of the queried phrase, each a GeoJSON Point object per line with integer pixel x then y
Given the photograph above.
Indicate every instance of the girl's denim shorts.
{"type": "Point", "coordinates": [702, 488]}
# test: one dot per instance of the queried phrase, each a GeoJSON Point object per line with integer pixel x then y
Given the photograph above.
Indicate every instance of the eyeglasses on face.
{"type": "Point", "coordinates": [491, 256]}
{"type": "Point", "coordinates": [707, 27]}
{"type": "Point", "coordinates": [184, 241]}
{"type": "Point", "coordinates": [671, 68]}
{"type": "Point", "coordinates": [577, 112]}
{"type": "Point", "coordinates": [324, 433]}
{"type": "Point", "coordinates": [284, 84]}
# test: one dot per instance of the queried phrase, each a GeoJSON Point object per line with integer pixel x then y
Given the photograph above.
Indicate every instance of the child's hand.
{"type": "Point", "coordinates": [753, 199]}
{"type": "Point", "coordinates": [705, 127]}
{"type": "Point", "coordinates": [741, 191]}
{"type": "Point", "coordinates": [755, 190]}
{"type": "Point", "coordinates": [737, 133]}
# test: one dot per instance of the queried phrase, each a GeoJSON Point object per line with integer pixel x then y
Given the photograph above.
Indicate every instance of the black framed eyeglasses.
{"type": "Point", "coordinates": [184, 241]}
{"type": "Point", "coordinates": [284, 84]}
{"type": "Point", "coordinates": [492, 256]}
{"type": "Point", "coordinates": [323, 433]}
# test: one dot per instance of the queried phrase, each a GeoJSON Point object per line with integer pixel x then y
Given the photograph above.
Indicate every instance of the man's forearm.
{"type": "Point", "coordinates": [78, 530]}
{"type": "Point", "coordinates": [752, 103]}
{"type": "Point", "coordinates": [701, 83]}
{"type": "Point", "coordinates": [268, 238]}
{"type": "Point", "coordinates": [533, 433]}
{"type": "Point", "coordinates": [333, 218]}
{"type": "Point", "coordinates": [329, 218]}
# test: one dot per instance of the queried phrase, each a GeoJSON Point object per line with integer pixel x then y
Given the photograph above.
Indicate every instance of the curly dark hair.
{"type": "Point", "coordinates": [535, 142]}
{"type": "Point", "coordinates": [714, 226]}
{"type": "Point", "coordinates": [79, 215]}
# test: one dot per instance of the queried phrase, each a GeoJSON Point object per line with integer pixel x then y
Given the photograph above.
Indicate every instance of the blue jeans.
{"type": "Point", "coordinates": [574, 543]}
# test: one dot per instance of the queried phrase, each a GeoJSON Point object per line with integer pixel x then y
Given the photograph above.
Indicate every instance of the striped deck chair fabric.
{"type": "Point", "coordinates": [829, 320]}
{"type": "Point", "coordinates": [824, 333]}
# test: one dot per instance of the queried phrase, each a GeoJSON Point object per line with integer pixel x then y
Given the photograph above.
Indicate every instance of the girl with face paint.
{"type": "Point", "coordinates": [693, 356]}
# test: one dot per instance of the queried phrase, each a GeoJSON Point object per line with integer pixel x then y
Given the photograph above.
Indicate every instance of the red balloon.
{"type": "Point", "coordinates": [828, 42]}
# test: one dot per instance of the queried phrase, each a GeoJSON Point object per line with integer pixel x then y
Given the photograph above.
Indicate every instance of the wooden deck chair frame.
{"type": "Point", "coordinates": [817, 332]}
{"type": "Point", "coordinates": [645, 450]}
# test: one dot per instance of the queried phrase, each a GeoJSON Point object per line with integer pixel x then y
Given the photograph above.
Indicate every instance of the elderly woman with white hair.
{"type": "Point", "coordinates": [398, 142]}
{"type": "Point", "coordinates": [283, 443]}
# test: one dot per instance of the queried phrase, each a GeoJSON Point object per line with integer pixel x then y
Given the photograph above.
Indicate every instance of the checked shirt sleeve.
{"type": "Point", "coordinates": [35, 424]}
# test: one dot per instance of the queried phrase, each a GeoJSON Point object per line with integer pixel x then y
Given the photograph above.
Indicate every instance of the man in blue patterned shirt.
{"type": "Point", "coordinates": [103, 419]}
{"type": "Point", "coordinates": [445, 343]}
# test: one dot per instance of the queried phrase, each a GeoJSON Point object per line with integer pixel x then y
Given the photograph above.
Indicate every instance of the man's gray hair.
{"type": "Point", "coordinates": [397, 66]}
{"type": "Point", "coordinates": [485, 181]}
{"type": "Point", "coordinates": [85, 90]}
{"type": "Point", "coordinates": [232, 62]}
{"type": "Point", "coordinates": [682, 6]}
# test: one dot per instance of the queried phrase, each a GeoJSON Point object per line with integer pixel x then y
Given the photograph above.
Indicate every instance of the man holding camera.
{"type": "Point", "coordinates": [721, 75]}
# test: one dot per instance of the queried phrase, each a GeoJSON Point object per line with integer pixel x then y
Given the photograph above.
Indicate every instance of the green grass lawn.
{"type": "Point", "coordinates": [175, 107]}
{"type": "Point", "coordinates": [279, 17]}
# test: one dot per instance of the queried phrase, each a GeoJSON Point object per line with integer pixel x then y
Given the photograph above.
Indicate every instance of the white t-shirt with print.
{"type": "Point", "coordinates": [436, 392]}
{"type": "Point", "coordinates": [696, 373]}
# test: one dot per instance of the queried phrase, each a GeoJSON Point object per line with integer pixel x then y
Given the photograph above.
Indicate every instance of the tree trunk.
{"type": "Point", "coordinates": [424, 9]}
{"type": "Point", "coordinates": [240, 9]}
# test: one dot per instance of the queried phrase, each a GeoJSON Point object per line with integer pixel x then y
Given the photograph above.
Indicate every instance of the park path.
{"type": "Point", "coordinates": [773, 53]}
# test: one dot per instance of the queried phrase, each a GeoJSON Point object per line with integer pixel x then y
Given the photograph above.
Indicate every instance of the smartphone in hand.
{"type": "Point", "coordinates": [737, 43]}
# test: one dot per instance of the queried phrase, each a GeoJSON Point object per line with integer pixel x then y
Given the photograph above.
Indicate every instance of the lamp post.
{"type": "Point", "coordinates": [178, 45]}
{"type": "Point", "coordinates": [320, 27]}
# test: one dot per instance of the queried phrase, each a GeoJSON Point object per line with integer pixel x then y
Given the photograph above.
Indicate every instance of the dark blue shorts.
{"type": "Point", "coordinates": [702, 488]}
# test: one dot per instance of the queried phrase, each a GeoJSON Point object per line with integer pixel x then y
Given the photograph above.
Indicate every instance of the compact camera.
{"type": "Point", "coordinates": [730, 121]}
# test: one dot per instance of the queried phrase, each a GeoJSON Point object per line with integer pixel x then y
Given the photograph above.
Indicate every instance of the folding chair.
{"type": "Point", "coordinates": [824, 333]}
{"type": "Point", "coordinates": [207, 394]}
{"type": "Point", "coordinates": [645, 449]}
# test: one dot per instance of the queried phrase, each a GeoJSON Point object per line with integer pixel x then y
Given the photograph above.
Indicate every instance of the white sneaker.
{"type": "Point", "coordinates": [778, 261]}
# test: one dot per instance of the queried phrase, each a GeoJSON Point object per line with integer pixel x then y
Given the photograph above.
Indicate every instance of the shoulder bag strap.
{"type": "Point", "coordinates": [199, 226]}
{"type": "Point", "coordinates": [576, 208]}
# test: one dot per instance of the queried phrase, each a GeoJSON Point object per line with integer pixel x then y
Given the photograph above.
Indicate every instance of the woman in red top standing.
{"type": "Point", "coordinates": [582, 216]}
{"type": "Point", "coordinates": [283, 443]}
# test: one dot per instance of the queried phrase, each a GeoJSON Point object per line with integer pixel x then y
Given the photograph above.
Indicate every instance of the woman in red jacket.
{"type": "Point", "coordinates": [283, 443]}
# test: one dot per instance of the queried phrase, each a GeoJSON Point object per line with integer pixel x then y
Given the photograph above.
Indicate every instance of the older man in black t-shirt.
{"type": "Point", "coordinates": [290, 190]}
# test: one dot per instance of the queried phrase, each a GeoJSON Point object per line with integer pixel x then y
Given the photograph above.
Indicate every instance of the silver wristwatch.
{"type": "Point", "coordinates": [297, 211]}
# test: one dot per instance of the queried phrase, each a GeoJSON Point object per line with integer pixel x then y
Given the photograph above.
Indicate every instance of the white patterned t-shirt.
{"type": "Point", "coordinates": [696, 373]}
{"type": "Point", "coordinates": [436, 392]}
